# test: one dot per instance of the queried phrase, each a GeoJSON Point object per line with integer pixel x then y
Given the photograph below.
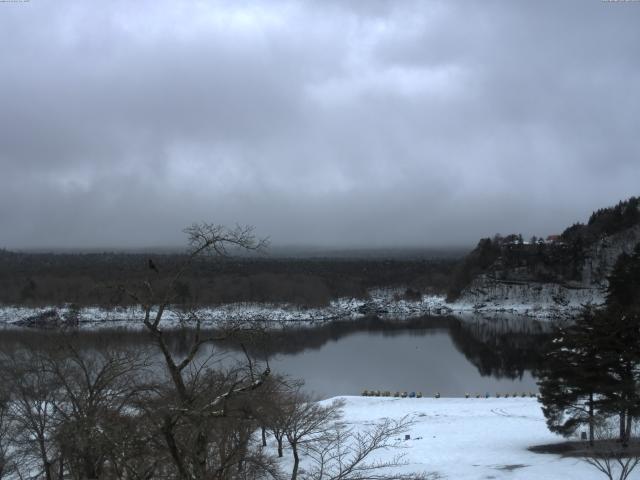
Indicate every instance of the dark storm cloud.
{"type": "Point", "coordinates": [361, 123]}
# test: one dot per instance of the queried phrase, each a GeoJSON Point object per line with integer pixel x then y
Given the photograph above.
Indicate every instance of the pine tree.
{"type": "Point", "coordinates": [620, 342]}
{"type": "Point", "coordinates": [624, 283]}
{"type": "Point", "coordinates": [573, 377]}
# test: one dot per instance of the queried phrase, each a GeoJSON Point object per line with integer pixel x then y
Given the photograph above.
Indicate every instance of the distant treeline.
{"type": "Point", "coordinates": [37, 279]}
{"type": "Point", "coordinates": [605, 221]}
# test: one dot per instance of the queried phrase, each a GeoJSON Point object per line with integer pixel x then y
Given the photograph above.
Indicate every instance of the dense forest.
{"type": "Point", "coordinates": [93, 279]}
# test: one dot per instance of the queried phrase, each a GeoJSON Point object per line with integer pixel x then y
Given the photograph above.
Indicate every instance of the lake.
{"type": "Point", "coordinates": [428, 363]}
{"type": "Point", "coordinates": [448, 355]}
{"type": "Point", "coordinates": [445, 355]}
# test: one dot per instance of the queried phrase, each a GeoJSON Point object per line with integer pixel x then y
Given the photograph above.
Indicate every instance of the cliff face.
{"type": "Point", "coordinates": [487, 293]}
{"type": "Point", "coordinates": [491, 290]}
{"type": "Point", "coordinates": [601, 256]}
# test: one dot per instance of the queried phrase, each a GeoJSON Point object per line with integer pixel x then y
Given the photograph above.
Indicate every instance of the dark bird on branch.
{"type": "Point", "coordinates": [153, 267]}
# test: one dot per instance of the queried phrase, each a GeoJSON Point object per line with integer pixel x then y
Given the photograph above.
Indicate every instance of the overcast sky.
{"type": "Point", "coordinates": [363, 123]}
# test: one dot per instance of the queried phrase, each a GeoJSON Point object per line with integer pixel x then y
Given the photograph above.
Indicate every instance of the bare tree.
{"type": "Point", "coordinates": [614, 459]}
{"type": "Point", "coordinates": [95, 389]}
{"type": "Point", "coordinates": [31, 396]}
{"type": "Point", "coordinates": [306, 421]}
{"type": "Point", "coordinates": [272, 411]}
{"type": "Point", "coordinates": [346, 454]}
{"type": "Point", "coordinates": [330, 450]}
{"type": "Point", "coordinates": [204, 239]}
{"type": "Point", "coordinates": [7, 455]}
{"type": "Point", "coordinates": [64, 405]}
{"type": "Point", "coordinates": [197, 395]}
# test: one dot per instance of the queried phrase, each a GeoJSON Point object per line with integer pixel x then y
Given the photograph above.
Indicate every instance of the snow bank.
{"type": "Point", "coordinates": [383, 303]}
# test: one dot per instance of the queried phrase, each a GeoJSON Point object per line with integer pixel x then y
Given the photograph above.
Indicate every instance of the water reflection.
{"type": "Point", "coordinates": [448, 355]}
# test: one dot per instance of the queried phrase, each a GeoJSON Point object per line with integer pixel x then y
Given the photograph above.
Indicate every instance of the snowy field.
{"type": "Point", "coordinates": [472, 439]}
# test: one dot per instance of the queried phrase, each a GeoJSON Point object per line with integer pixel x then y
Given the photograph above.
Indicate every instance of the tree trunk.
{"type": "Point", "coordinates": [201, 456]}
{"type": "Point", "coordinates": [264, 437]}
{"type": "Point", "coordinates": [591, 419]}
{"type": "Point", "coordinates": [296, 462]}
{"type": "Point", "coordinates": [174, 371]}
{"type": "Point", "coordinates": [89, 467]}
{"type": "Point", "coordinates": [46, 464]}
{"type": "Point", "coordinates": [622, 425]}
{"type": "Point", "coordinates": [60, 468]}
{"type": "Point", "coordinates": [279, 447]}
{"type": "Point", "coordinates": [47, 470]}
{"type": "Point", "coordinates": [242, 454]}
{"type": "Point", "coordinates": [167, 431]}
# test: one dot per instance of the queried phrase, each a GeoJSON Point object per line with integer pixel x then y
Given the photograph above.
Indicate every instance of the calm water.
{"type": "Point", "coordinates": [446, 355]}
{"type": "Point", "coordinates": [405, 362]}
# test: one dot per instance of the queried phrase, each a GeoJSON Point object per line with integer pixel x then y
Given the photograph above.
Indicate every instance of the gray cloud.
{"type": "Point", "coordinates": [338, 123]}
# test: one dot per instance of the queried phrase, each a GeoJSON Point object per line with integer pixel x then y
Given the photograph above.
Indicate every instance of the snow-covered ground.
{"type": "Point", "coordinates": [471, 439]}
{"type": "Point", "coordinates": [381, 303]}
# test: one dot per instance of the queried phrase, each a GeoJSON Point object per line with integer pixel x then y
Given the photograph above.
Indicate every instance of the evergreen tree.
{"type": "Point", "coordinates": [593, 365]}
{"type": "Point", "coordinates": [572, 377]}
{"type": "Point", "coordinates": [619, 345]}
{"type": "Point", "coordinates": [623, 294]}
{"type": "Point", "coordinates": [620, 342]}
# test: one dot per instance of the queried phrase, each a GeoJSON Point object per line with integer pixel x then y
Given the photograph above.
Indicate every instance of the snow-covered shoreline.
{"type": "Point", "coordinates": [383, 303]}
{"type": "Point", "coordinates": [467, 439]}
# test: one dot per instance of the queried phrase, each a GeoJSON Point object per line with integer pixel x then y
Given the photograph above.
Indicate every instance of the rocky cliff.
{"type": "Point", "coordinates": [490, 291]}
{"type": "Point", "coordinates": [488, 294]}
{"type": "Point", "coordinates": [601, 256]}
